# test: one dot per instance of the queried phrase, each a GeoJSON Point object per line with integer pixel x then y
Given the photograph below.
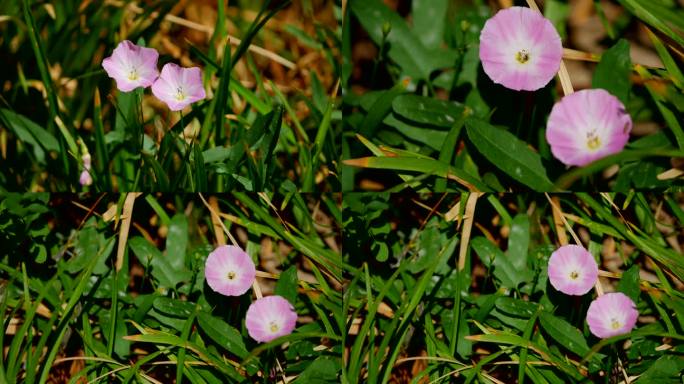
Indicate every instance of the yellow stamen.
{"type": "Point", "coordinates": [574, 275]}
{"type": "Point", "coordinates": [133, 75]}
{"type": "Point", "coordinates": [274, 327]}
{"type": "Point", "coordinates": [180, 95]}
{"type": "Point", "coordinates": [523, 56]}
{"type": "Point", "coordinates": [231, 275]}
{"type": "Point", "coordinates": [593, 142]}
{"type": "Point", "coordinates": [615, 324]}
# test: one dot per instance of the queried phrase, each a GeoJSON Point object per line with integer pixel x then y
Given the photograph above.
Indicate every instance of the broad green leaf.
{"type": "Point", "coordinates": [565, 334]}
{"type": "Point", "coordinates": [287, 285]}
{"type": "Point", "coordinates": [629, 283]}
{"type": "Point", "coordinates": [429, 17]}
{"type": "Point", "coordinates": [612, 72]}
{"type": "Point", "coordinates": [323, 370]}
{"type": "Point", "coordinates": [177, 241]}
{"type": "Point", "coordinates": [425, 134]}
{"type": "Point", "coordinates": [508, 274]}
{"type": "Point", "coordinates": [222, 334]}
{"type": "Point", "coordinates": [174, 307]}
{"type": "Point", "coordinates": [516, 307]}
{"type": "Point", "coordinates": [509, 154]}
{"type": "Point", "coordinates": [666, 370]}
{"type": "Point", "coordinates": [216, 154]}
{"type": "Point", "coordinates": [143, 250]}
{"type": "Point", "coordinates": [519, 240]}
{"type": "Point", "coordinates": [405, 49]}
{"type": "Point", "coordinates": [428, 110]}
{"type": "Point", "coordinates": [487, 251]}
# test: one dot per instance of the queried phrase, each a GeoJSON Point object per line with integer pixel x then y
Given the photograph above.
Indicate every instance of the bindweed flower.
{"type": "Point", "coordinates": [587, 125]}
{"type": "Point", "coordinates": [132, 66]}
{"type": "Point", "coordinates": [229, 270]}
{"type": "Point", "coordinates": [85, 179]}
{"type": "Point", "coordinates": [520, 49]}
{"type": "Point", "coordinates": [179, 87]}
{"type": "Point", "coordinates": [611, 314]}
{"type": "Point", "coordinates": [269, 318]}
{"type": "Point", "coordinates": [572, 270]}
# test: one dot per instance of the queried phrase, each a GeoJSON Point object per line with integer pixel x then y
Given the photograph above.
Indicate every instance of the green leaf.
{"type": "Point", "coordinates": [323, 370]}
{"type": "Point", "coordinates": [508, 274]}
{"type": "Point", "coordinates": [509, 154]}
{"type": "Point", "coordinates": [174, 307]}
{"type": "Point", "coordinates": [429, 18]}
{"type": "Point", "coordinates": [287, 285]}
{"type": "Point", "coordinates": [655, 15]}
{"type": "Point", "coordinates": [629, 283]}
{"type": "Point", "coordinates": [565, 334]}
{"type": "Point", "coordinates": [30, 133]}
{"type": "Point", "coordinates": [516, 307]}
{"type": "Point", "coordinates": [666, 370]}
{"type": "Point", "coordinates": [177, 241]}
{"type": "Point", "coordinates": [222, 334]}
{"type": "Point", "coordinates": [428, 110]}
{"type": "Point", "coordinates": [405, 49]}
{"type": "Point", "coordinates": [143, 250]}
{"type": "Point", "coordinates": [412, 164]}
{"type": "Point", "coordinates": [519, 240]}
{"type": "Point", "coordinates": [487, 251]}
{"type": "Point", "coordinates": [612, 72]}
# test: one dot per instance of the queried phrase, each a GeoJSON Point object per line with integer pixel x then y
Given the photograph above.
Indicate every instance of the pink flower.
{"type": "Point", "coordinates": [612, 314]}
{"type": "Point", "coordinates": [587, 125]}
{"type": "Point", "coordinates": [572, 270]}
{"type": "Point", "coordinates": [179, 87]}
{"type": "Point", "coordinates": [229, 270]}
{"type": "Point", "coordinates": [269, 318]}
{"type": "Point", "coordinates": [520, 49]}
{"type": "Point", "coordinates": [132, 66]}
{"type": "Point", "coordinates": [85, 179]}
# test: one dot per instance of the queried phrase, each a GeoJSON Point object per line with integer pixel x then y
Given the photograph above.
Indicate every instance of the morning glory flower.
{"type": "Point", "coordinates": [572, 270]}
{"type": "Point", "coordinates": [179, 87]}
{"type": "Point", "coordinates": [587, 125]}
{"type": "Point", "coordinates": [269, 318]}
{"type": "Point", "coordinates": [520, 49]}
{"type": "Point", "coordinates": [612, 314]}
{"type": "Point", "coordinates": [229, 270]}
{"type": "Point", "coordinates": [132, 66]}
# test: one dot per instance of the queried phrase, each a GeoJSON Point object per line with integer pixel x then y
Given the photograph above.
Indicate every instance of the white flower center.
{"type": "Point", "coordinates": [615, 324]}
{"type": "Point", "coordinates": [133, 74]}
{"type": "Point", "coordinates": [593, 141]}
{"type": "Point", "coordinates": [523, 56]}
{"type": "Point", "coordinates": [274, 326]}
{"type": "Point", "coordinates": [180, 94]}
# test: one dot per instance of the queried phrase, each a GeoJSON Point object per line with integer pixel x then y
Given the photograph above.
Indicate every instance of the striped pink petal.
{"type": "Point", "coordinates": [520, 49]}
{"type": "Point", "coordinates": [572, 270]}
{"type": "Point", "coordinates": [269, 318]}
